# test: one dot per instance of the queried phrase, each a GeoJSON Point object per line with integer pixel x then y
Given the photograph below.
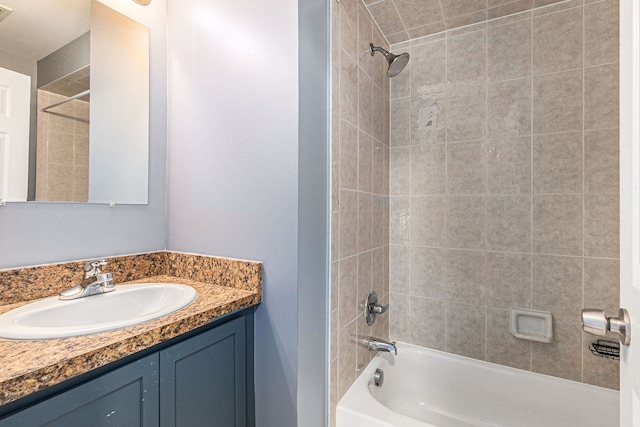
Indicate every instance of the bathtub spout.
{"type": "Point", "coordinates": [377, 344]}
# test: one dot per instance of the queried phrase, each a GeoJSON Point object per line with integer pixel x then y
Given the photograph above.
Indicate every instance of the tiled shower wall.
{"type": "Point", "coordinates": [360, 190]}
{"type": "Point", "coordinates": [504, 186]}
{"type": "Point", "coordinates": [62, 156]}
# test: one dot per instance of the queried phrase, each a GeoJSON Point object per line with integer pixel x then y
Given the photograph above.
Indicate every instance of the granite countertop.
{"type": "Point", "coordinates": [30, 366]}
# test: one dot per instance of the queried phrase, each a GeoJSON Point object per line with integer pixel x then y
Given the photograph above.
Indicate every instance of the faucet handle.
{"type": "Point", "coordinates": [92, 268]}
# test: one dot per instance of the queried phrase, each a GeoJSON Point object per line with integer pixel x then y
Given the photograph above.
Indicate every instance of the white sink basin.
{"type": "Point", "coordinates": [127, 305]}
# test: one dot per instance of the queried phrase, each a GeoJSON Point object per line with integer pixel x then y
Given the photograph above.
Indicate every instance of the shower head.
{"type": "Point", "coordinates": [396, 62]}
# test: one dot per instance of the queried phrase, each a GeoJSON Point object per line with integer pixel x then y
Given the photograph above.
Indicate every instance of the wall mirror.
{"type": "Point", "coordinates": [74, 103]}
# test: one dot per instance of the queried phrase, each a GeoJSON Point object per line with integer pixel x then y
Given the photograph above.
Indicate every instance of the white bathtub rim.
{"type": "Point", "coordinates": [357, 404]}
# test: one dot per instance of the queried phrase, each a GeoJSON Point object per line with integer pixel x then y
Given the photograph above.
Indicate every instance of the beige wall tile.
{"type": "Point", "coordinates": [509, 166]}
{"type": "Point", "coordinates": [428, 272]}
{"type": "Point", "coordinates": [348, 290]}
{"type": "Point", "coordinates": [335, 281]}
{"type": "Point", "coordinates": [601, 22]}
{"type": "Point", "coordinates": [508, 8]}
{"type": "Point", "coordinates": [349, 27]}
{"type": "Point", "coordinates": [400, 261]}
{"type": "Point", "coordinates": [509, 108]}
{"type": "Point", "coordinates": [348, 87]}
{"type": "Point", "coordinates": [429, 67]}
{"type": "Point", "coordinates": [346, 358]}
{"type": "Point", "coordinates": [465, 330]}
{"type": "Point", "coordinates": [601, 99]}
{"type": "Point", "coordinates": [386, 15]}
{"type": "Point", "coordinates": [466, 113]}
{"type": "Point", "coordinates": [557, 163]}
{"type": "Point", "coordinates": [416, 13]}
{"type": "Point", "coordinates": [466, 276]}
{"type": "Point", "coordinates": [380, 226]}
{"type": "Point", "coordinates": [466, 222]}
{"type": "Point", "coordinates": [82, 118]}
{"type": "Point", "coordinates": [428, 169]}
{"type": "Point", "coordinates": [400, 220]}
{"type": "Point", "coordinates": [364, 280]}
{"type": "Point", "coordinates": [562, 357]}
{"type": "Point", "coordinates": [59, 182]}
{"type": "Point", "coordinates": [380, 178]}
{"type": "Point", "coordinates": [80, 184]}
{"type": "Point", "coordinates": [365, 162]}
{"type": "Point", "coordinates": [380, 270]}
{"type": "Point", "coordinates": [399, 164]}
{"type": "Point", "coordinates": [466, 55]}
{"type": "Point", "coordinates": [365, 37]}
{"type": "Point", "coordinates": [557, 285]}
{"type": "Point", "coordinates": [348, 223]}
{"type": "Point", "coordinates": [466, 168]}
{"type": "Point", "coordinates": [601, 162]}
{"type": "Point", "coordinates": [400, 122]}
{"type": "Point", "coordinates": [508, 280]}
{"type": "Point", "coordinates": [553, 6]}
{"type": "Point", "coordinates": [81, 151]}
{"type": "Point", "coordinates": [348, 155]}
{"type": "Point", "coordinates": [428, 220]}
{"type": "Point", "coordinates": [502, 347]}
{"type": "Point", "coordinates": [557, 102]}
{"type": "Point", "coordinates": [60, 148]}
{"type": "Point", "coordinates": [451, 8]}
{"type": "Point", "coordinates": [365, 100]}
{"type": "Point", "coordinates": [428, 323]}
{"type": "Point", "coordinates": [601, 224]}
{"type": "Point", "coordinates": [602, 284]}
{"type": "Point", "coordinates": [462, 23]}
{"type": "Point", "coordinates": [335, 187]}
{"type": "Point", "coordinates": [426, 30]}
{"type": "Point", "coordinates": [557, 42]}
{"type": "Point", "coordinates": [509, 51]}
{"type": "Point", "coordinates": [365, 221]}
{"type": "Point", "coordinates": [509, 223]}
{"type": "Point", "coordinates": [400, 317]}
{"type": "Point", "coordinates": [380, 126]}
{"type": "Point", "coordinates": [429, 119]}
{"type": "Point", "coordinates": [557, 224]}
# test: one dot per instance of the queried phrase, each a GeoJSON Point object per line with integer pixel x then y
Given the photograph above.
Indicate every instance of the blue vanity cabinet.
{"type": "Point", "coordinates": [126, 396]}
{"type": "Point", "coordinates": [202, 379]}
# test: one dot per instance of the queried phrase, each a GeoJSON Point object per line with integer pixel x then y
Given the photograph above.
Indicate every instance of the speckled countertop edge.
{"type": "Point", "coordinates": [30, 366]}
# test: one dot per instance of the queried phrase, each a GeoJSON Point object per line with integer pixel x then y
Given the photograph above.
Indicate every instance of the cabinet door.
{"type": "Point", "coordinates": [127, 396]}
{"type": "Point", "coordinates": [204, 379]}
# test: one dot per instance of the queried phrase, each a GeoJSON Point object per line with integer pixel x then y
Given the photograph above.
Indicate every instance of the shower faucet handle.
{"type": "Point", "coordinates": [596, 322]}
{"type": "Point", "coordinates": [372, 309]}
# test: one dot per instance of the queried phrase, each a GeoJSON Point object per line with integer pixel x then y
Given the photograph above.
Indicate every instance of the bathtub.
{"type": "Point", "coordinates": [425, 387]}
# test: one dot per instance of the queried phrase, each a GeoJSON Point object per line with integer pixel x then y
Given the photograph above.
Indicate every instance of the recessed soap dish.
{"type": "Point", "coordinates": [531, 325]}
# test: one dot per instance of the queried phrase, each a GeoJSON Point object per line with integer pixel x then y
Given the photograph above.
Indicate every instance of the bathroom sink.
{"type": "Point", "coordinates": [127, 305]}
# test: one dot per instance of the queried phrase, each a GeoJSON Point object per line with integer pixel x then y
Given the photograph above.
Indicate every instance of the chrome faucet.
{"type": "Point", "coordinates": [94, 282]}
{"type": "Point", "coordinates": [377, 344]}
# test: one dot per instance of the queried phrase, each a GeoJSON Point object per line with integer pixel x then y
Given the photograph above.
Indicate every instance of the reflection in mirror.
{"type": "Point", "coordinates": [82, 135]}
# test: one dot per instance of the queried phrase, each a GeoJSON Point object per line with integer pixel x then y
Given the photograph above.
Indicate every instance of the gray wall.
{"type": "Point", "coordinates": [234, 170]}
{"type": "Point", "coordinates": [36, 233]}
{"type": "Point", "coordinates": [313, 212]}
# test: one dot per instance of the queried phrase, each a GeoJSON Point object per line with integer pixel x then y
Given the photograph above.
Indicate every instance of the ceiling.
{"type": "Point", "coordinates": [35, 28]}
{"type": "Point", "coordinates": [401, 20]}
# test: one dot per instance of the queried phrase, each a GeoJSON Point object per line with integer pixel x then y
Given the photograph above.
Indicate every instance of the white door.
{"type": "Point", "coordinates": [630, 207]}
{"type": "Point", "coordinates": [15, 100]}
